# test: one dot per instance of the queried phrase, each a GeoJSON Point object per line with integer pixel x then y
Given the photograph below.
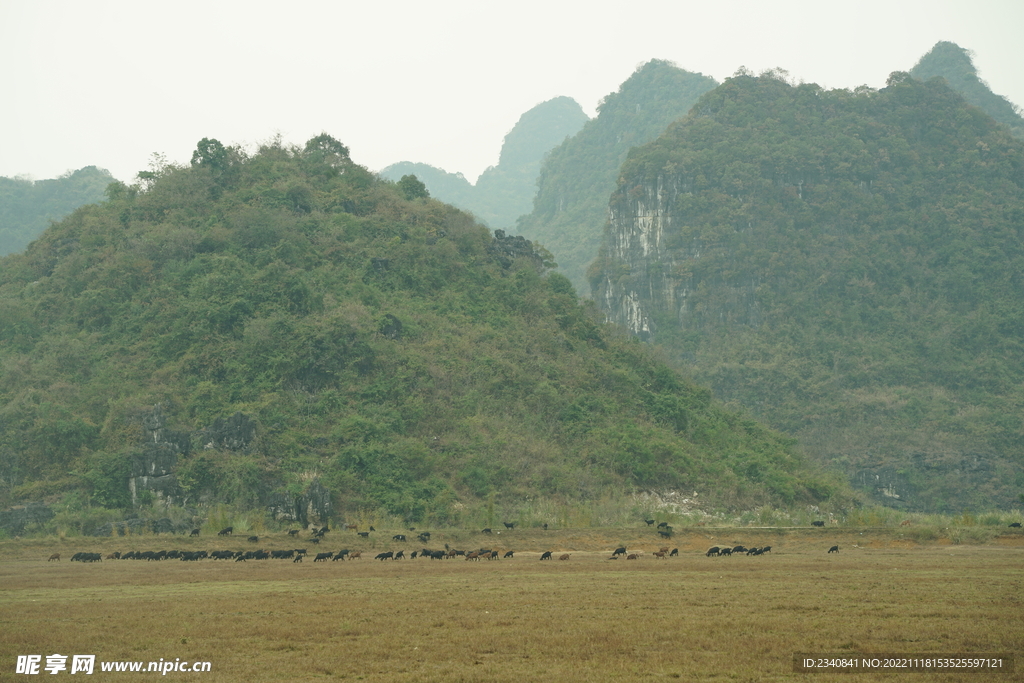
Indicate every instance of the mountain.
{"type": "Point", "coordinates": [953, 63]}
{"type": "Point", "coordinates": [848, 266]}
{"type": "Point", "coordinates": [286, 326]}
{"type": "Point", "coordinates": [27, 207]}
{"type": "Point", "coordinates": [571, 205]}
{"type": "Point", "coordinates": [504, 192]}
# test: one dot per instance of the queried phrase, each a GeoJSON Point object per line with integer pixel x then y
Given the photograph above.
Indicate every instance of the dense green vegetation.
{"type": "Point", "coordinates": [27, 208]}
{"type": "Point", "coordinates": [850, 265]}
{"type": "Point", "coordinates": [571, 205]}
{"type": "Point", "coordinates": [953, 63]}
{"type": "Point", "coordinates": [504, 192]}
{"type": "Point", "coordinates": [381, 342]}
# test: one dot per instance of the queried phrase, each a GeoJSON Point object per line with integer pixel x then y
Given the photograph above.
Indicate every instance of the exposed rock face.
{"type": "Point", "coordinates": [313, 506]}
{"type": "Point", "coordinates": [15, 519]}
{"type": "Point", "coordinates": [234, 433]}
{"type": "Point", "coordinates": [153, 467]}
{"type": "Point", "coordinates": [652, 271]}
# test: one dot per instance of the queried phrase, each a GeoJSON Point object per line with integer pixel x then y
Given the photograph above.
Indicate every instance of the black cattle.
{"type": "Point", "coordinates": [817, 523]}
{"type": "Point", "coordinates": [619, 551]}
{"type": "Point", "coordinates": [293, 532]}
{"type": "Point", "coordinates": [322, 557]}
{"type": "Point", "coordinates": [666, 532]}
{"type": "Point", "coordinates": [194, 532]}
{"type": "Point", "coordinates": [253, 539]}
{"type": "Point", "coordinates": [226, 531]}
{"type": "Point", "coordinates": [753, 551]}
{"type": "Point", "coordinates": [1015, 525]}
{"type": "Point", "coordinates": [315, 540]}
{"type": "Point", "coordinates": [766, 549]}
{"type": "Point", "coordinates": [739, 549]}
{"type": "Point", "coordinates": [413, 554]}
{"type": "Point", "coordinates": [485, 531]}
{"type": "Point", "coordinates": [675, 551]}
{"type": "Point", "coordinates": [510, 525]}
{"type": "Point", "coordinates": [364, 534]}
{"type": "Point", "coordinates": [508, 554]}
{"type": "Point", "coordinates": [834, 549]}
{"type": "Point", "coordinates": [385, 556]}
{"type": "Point", "coordinates": [282, 554]}
{"type": "Point", "coordinates": [424, 537]}
{"type": "Point", "coordinates": [725, 551]}
{"type": "Point", "coordinates": [398, 537]}
{"type": "Point", "coordinates": [260, 555]}
{"type": "Point", "coordinates": [649, 522]}
{"type": "Point", "coordinates": [546, 555]}
{"type": "Point", "coordinates": [712, 551]}
{"type": "Point", "coordinates": [372, 529]}
{"type": "Point", "coordinates": [400, 555]}
{"type": "Point", "coordinates": [341, 554]}
{"type": "Point", "coordinates": [298, 558]}
{"type": "Point", "coordinates": [662, 525]}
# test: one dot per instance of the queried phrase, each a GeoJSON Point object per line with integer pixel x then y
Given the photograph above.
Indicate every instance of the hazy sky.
{"type": "Point", "coordinates": [110, 82]}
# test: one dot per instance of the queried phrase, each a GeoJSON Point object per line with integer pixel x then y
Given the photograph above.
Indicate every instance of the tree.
{"type": "Point", "coordinates": [411, 188]}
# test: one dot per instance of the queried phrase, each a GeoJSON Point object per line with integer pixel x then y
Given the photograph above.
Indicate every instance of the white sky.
{"type": "Point", "coordinates": [110, 82]}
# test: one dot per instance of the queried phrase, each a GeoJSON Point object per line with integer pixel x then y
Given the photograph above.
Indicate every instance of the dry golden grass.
{"type": "Point", "coordinates": [585, 619]}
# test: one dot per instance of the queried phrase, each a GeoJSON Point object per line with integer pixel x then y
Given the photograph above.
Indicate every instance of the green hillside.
{"type": "Point", "coordinates": [27, 208]}
{"type": "Point", "coordinates": [571, 204]}
{"type": "Point", "coordinates": [848, 266]}
{"type": "Point", "coordinates": [235, 329]}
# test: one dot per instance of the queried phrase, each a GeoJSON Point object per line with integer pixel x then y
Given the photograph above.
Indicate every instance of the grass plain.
{"type": "Point", "coordinates": [689, 617]}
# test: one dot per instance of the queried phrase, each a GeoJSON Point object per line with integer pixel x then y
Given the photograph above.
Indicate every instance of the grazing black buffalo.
{"type": "Point", "coordinates": [725, 551]}
{"type": "Point", "coordinates": [400, 555]}
{"type": "Point", "coordinates": [649, 522]}
{"type": "Point", "coordinates": [675, 551]}
{"type": "Point", "coordinates": [766, 549]}
{"type": "Point", "coordinates": [298, 558]}
{"type": "Point", "coordinates": [509, 554]}
{"type": "Point", "coordinates": [293, 532]}
{"type": "Point", "coordinates": [739, 549]}
{"type": "Point", "coordinates": [712, 551]}
{"type": "Point", "coordinates": [385, 556]}
{"type": "Point", "coordinates": [253, 539]}
{"type": "Point", "coordinates": [510, 525]}
{"type": "Point", "coordinates": [398, 537]}
{"type": "Point", "coordinates": [666, 532]}
{"type": "Point", "coordinates": [194, 532]}
{"type": "Point", "coordinates": [364, 534]}
{"type": "Point", "coordinates": [424, 537]}
{"type": "Point", "coordinates": [817, 523]}
{"type": "Point", "coordinates": [546, 555]}
{"type": "Point", "coordinates": [619, 551]}
{"type": "Point", "coordinates": [662, 525]}
{"type": "Point", "coordinates": [834, 549]}
{"type": "Point", "coordinates": [226, 531]}
{"type": "Point", "coordinates": [322, 557]}
{"type": "Point", "coordinates": [1015, 525]}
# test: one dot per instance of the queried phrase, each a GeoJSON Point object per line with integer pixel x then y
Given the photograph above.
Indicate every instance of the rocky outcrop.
{"type": "Point", "coordinates": [14, 520]}
{"type": "Point", "coordinates": [312, 506]}
{"type": "Point", "coordinates": [646, 267]}
{"type": "Point", "coordinates": [152, 467]}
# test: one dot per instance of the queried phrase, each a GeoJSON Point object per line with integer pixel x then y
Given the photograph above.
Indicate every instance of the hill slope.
{"type": "Point", "coordinates": [504, 192]}
{"type": "Point", "coordinates": [848, 266]}
{"type": "Point", "coordinates": [246, 325]}
{"type": "Point", "coordinates": [577, 177]}
{"type": "Point", "coordinates": [953, 63]}
{"type": "Point", "coordinates": [27, 207]}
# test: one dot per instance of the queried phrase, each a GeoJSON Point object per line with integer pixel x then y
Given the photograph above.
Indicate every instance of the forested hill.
{"type": "Point", "coordinates": [953, 63]}
{"type": "Point", "coordinates": [237, 328]}
{"type": "Point", "coordinates": [848, 265]}
{"type": "Point", "coordinates": [27, 207]}
{"type": "Point", "coordinates": [503, 192]}
{"type": "Point", "coordinates": [577, 177]}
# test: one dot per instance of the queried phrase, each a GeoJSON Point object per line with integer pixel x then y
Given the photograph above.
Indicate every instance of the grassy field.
{"type": "Point", "coordinates": [586, 619]}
